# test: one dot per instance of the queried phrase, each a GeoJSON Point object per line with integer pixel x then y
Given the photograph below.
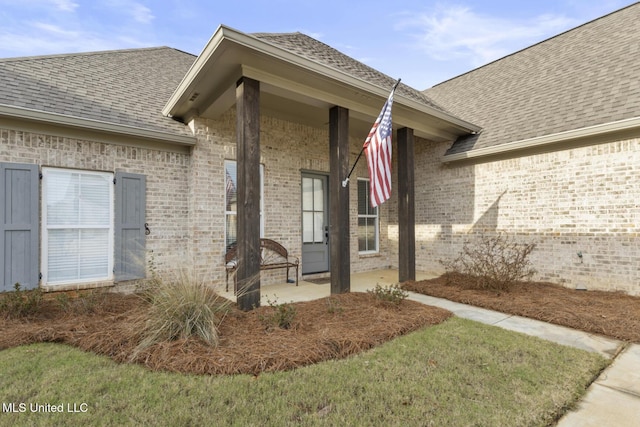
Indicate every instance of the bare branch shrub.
{"type": "Point", "coordinates": [493, 262]}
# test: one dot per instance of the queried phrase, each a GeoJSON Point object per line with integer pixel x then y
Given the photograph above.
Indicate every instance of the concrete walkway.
{"type": "Point", "coordinates": [612, 400]}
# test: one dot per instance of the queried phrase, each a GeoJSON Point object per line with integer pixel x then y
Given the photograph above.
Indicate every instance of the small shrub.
{"type": "Point", "coordinates": [281, 316]}
{"type": "Point", "coordinates": [85, 303]}
{"type": "Point", "coordinates": [180, 309]}
{"type": "Point", "coordinates": [392, 294]}
{"type": "Point", "coordinates": [20, 303]}
{"type": "Point", "coordinates": [90, 301]}
{"type": "Point", "coordinates": [64, 301]}
{"type": "Point", "coordinates": [493, 262]}
{"type": "Point", "coordinates": [333, 306]}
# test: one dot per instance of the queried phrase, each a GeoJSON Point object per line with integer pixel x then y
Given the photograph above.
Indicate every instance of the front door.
{"type": "Point", "coordinates": [315, 224]}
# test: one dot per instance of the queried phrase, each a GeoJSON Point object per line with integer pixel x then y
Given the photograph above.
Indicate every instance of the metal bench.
{"type": "Point", "coordinates": [272, 256]}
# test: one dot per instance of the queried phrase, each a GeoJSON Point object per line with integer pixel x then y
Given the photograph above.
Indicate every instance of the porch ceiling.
{"type": "Point", "coordinates": [296, 89]}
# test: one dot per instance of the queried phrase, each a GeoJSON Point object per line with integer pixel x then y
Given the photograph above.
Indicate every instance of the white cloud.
{"type": "Point", "coordinates": [65, 5]}
{"type": "Point", "coordinates": [459, 33]}
{"type": "Point", "coordinates": [54, 30]}
{"type": "Point", "coordinates": [137, 11]}
{"type": "Point", "coordinates": [40, 44]}
{"type": "Point", "coordinates": [42, 38]}
{"type": "Point", "coordinates": [141, 13]}
{"type": "Point", "coordinates": [62, 5]}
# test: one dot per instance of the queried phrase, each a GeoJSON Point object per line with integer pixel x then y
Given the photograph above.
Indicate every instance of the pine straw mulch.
{"type": "Point", "coordinates": [612, 314]}
{"type": "Point", "coordinates": [328, 328]}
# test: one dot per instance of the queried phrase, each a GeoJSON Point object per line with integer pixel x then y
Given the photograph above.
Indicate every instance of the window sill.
{"type": "Point", "coordinates": [77, 286]}
{"type": "Point", "coordinates": [369, 254]}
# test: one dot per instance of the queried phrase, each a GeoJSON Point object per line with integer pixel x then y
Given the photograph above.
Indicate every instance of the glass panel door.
{"type": "Point", "coordinates": [313, 212]}
{"type": "Point", "coordinates": [315, 241]}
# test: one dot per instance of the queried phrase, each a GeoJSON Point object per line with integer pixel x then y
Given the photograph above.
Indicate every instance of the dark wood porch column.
{"type": "Point", "coordinates": [248, 192]}
{"type": "Point", "coordinates": [339, 239]}
{"type": "Point", "coordinates": [406, 207]}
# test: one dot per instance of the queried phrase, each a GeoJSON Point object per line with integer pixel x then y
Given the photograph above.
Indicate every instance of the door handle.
{"type": "Point", "coordinates": [326, 234]}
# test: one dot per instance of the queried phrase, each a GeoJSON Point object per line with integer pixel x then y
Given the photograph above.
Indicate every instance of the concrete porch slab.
{"type": "Point", "coordinates": [307, 291]}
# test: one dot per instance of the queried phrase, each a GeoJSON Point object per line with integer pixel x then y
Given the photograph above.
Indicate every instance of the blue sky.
{"type": "Point", "coordinates": [423, 42]}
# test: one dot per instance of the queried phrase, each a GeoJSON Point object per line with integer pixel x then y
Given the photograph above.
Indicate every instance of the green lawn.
{"type": "Point", "coordinates": [459, 373]}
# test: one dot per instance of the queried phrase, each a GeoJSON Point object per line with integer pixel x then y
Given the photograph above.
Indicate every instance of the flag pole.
{"type": "Point", "coordinates": [346, 180]}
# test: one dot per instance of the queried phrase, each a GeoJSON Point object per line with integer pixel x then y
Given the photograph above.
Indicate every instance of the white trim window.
{"type": "Point", "coordinates": [367, 220]}
{"type": "Point", "coordinates": [231, 202]}
{"type": "Point", "coordinates": [77, 226]}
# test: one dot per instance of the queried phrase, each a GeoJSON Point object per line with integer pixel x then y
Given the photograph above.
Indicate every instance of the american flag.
{"type": "Point", "coordinates": [378, 149]}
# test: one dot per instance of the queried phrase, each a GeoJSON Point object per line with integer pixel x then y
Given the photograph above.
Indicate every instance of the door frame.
{"type": "Point", "coordinates": [325, 176]}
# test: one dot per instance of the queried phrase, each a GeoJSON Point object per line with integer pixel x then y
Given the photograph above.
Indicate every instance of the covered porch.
{"type": "Point", "coordinates": [288, 77]}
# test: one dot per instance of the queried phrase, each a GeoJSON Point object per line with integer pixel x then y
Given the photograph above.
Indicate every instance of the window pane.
{"type": "Point", "coordinates": [318, 195]}
{"type": "Point", "coordinates": [371, 234]}
{"type": "Point", "coordinates": [367, 234]}
{"type": "Point", "coordinates": [362, 234]}
{"type": "Point", "coordinates": [231, 196]}
{"type": "Point", "coordinates": [231, 230]}
{"type": "Point", "coordinates": [62, 254]}
{"type": "Point", "coordinates": [307, 227]}
{"type": "Point", "coordinates": [94, 254]}
{"type": "Point", "coordinates": [307, 194]}
{"type": "Point", "coordinates": [62, 198]}
{"type": "Point", "coordinates": [94, 203]}
{"type": "Point", "coordinates": [363, 197]}
{"type": "Point", "coordinates": [364, 203]}
{"type": "Point", "coordinates": [318, 227]}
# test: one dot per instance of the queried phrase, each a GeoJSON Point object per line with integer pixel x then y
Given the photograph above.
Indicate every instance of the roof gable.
{"type": "Point", "coordinates": [301, 79]}
{"type": "Point", "coordinates": [315, 50]}
{"type": "Point", "coordinates": [582, 78]}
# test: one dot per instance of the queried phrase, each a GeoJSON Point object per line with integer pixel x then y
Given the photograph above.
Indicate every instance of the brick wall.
{"type": "Point", "coordinates": [580, 200]}
{"type": "Point", "coordinates": [165, 170]}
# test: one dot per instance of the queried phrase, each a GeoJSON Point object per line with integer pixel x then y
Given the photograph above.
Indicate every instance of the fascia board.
{"type": "Point", "coordinates": [546, 140]}
{"type": "Point", "coordinates": [94, 125]}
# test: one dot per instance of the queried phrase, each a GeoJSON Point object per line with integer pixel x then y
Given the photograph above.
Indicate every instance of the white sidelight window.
{"type": "Point", "coordinates": [367, 220]}
{"type": "Point", "coordinates": [231, 202]}
{"type": "Point", "coordinates": [77, 226]}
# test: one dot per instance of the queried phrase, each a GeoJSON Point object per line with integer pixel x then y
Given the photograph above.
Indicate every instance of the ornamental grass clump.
{"type": "Point", "coordinates": [181, 309]}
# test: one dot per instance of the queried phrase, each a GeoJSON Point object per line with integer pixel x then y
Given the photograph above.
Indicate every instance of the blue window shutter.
{"type": "Point", "coordinates": [130, 205]}
{"type": "Point", "coordinates": [19, 226]}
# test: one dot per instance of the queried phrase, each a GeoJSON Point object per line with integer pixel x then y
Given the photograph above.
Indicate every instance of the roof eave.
{"type": "Point", "coordinates": [94, 125]}
{"type": "Point", "coordinates": [547, 142]}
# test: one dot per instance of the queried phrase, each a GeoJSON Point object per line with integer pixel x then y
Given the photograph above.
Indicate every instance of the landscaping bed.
{"type": "Point", "coordinates": [329, 328]}
{"type": "Point", "coordinates": [613, 314]}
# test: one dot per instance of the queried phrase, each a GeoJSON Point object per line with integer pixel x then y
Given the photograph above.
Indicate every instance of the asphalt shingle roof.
{"type": "Point", "coordinates": [124, 87]}
{"type": "Point", "coordinates": [315, 50]}
{"type": "Point", "coordinates": [586, 76]}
